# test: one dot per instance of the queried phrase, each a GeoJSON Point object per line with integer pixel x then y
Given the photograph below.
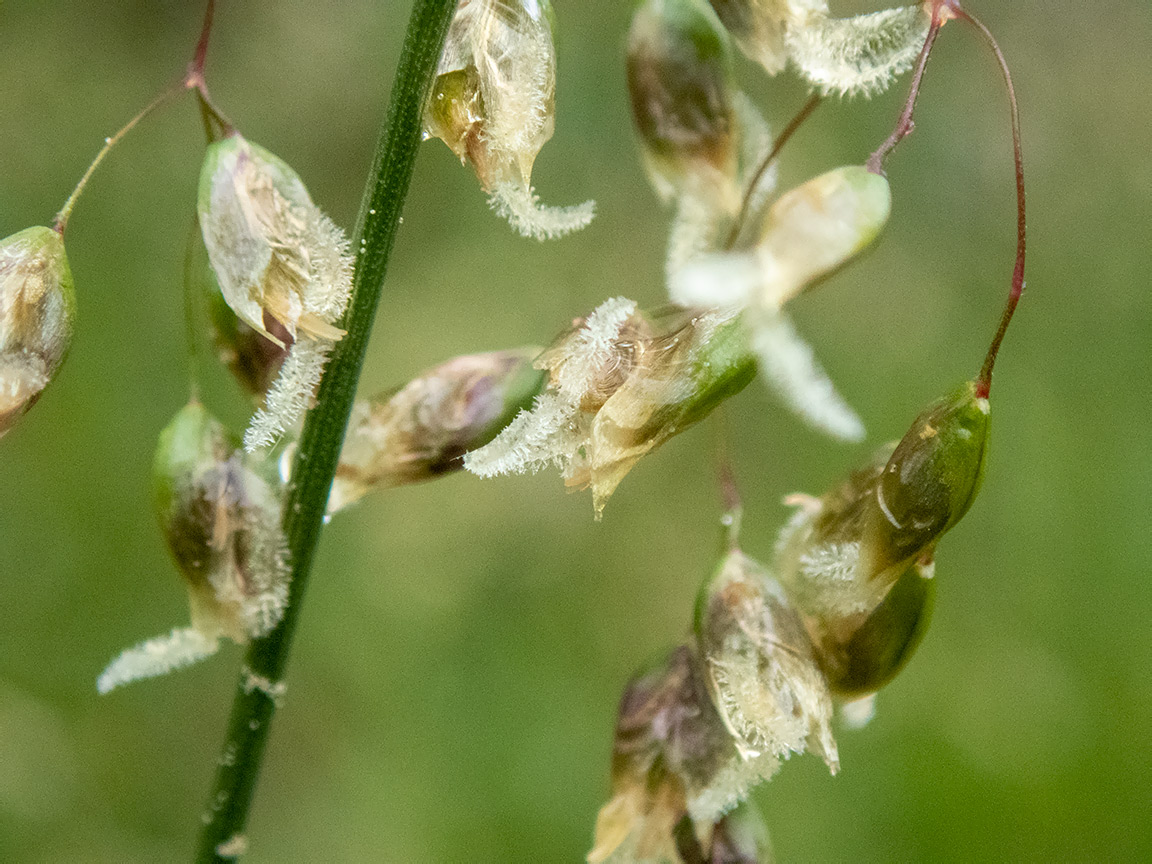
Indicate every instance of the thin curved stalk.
{"type": "Point", "coordinates": [222, 837]}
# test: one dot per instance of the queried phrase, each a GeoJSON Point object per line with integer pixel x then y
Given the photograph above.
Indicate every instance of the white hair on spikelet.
{"type": "Point", "coordinates": [509, 45]}
{"type": "Point", "coordinates": [718, 281]}
{"type": "Point", "coordinates": [516, 61]}
{"type": "Point", "coordinates": [694, 233]}
{"type": "Point", "coordinates": [291, 393]}
{"type": "Point", "coordinates": [789, 365]}
{"type": "Point", "coordinates": [276, 255]}
{"type": "Point", "coordinates": [553, 430]}
{"type": "Point", "coordinates": [521, 206]}
{"type": "Point", "coordinates": [158, 656]}
{"type": "Point", "coordinates": [859, 55]}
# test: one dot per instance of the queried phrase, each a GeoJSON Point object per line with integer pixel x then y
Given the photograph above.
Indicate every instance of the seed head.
{"type": "Point", "coordinates": [37, 312]}
{"type": "Point", "coordinates": [423, 430]}
{"type": "Point", "coordinates": [760, 669]}
{"type": "Point", "coordinates": [493, 104]}
{"type": "Point", "coordinates": [670, 742]}
{"type": "Point", "coordinates": [673, 763]}
{"type": "Point", "coordinates": [220, 514]}
{"type": "Point", "coordinates": [680, 80]}
{"type": "Point", "coordinates": [280, 263]}
{"type": "Point", "coordinates": [619, 385]}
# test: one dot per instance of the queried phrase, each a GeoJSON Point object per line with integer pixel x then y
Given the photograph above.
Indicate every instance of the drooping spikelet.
{"type": "Point", "coordinates": [37, 311]}
{"type": "Point", "coordinates": [220, 512]}
{"type": "Point", "coordinates": [620, 385]}
{"type": "Point", "coordinates": [279, 259]}
{"type": "Point", "coordinates": [861, 55]}
{"type": "Point", "coordinates": [253, 359]}
{"type": "Point", "coordinates": [493, 104]}
{"type": "Point", "coordinates": [696, 733]}
{"type": "Point", "coordinates": [859, 562]}
{"type": "Point", "coordinates": [762, 676]}
{"type": "Point", "coordinates": [582, 365]}
{"type": "Point", "coordinates": [701, 138]}
{"type": "Point", "coordinates": [423, 429]}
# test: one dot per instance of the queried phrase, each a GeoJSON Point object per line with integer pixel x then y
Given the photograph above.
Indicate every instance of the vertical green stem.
{"type": "Point", "coordinates": [222, 838]}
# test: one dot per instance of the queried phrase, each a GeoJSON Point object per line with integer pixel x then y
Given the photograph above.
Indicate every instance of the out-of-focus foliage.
{"type": "Point", "coordinates": [454, 688]}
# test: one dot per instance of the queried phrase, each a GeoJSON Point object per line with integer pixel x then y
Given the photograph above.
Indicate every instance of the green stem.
{"type": "Point", "coordinates": [320, 442]}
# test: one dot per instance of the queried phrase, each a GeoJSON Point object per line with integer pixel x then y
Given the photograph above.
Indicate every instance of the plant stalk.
{"type": "Point", "coordinates": [261, 678]}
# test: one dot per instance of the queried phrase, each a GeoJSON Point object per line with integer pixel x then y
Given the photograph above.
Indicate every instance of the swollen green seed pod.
{"type": "Point", "coordinates": [422, 430]}
{"type": "Point", "coordinates": [37, 313]}
{"type": "Point", "coordinates": [857, 562]}
{"type": "Point", "coordinates": [877, 649]}
{"type": "Point", "coordinates": [493, 104]}
{"type": "Point", "coordinates": [220, 513]}
{"type": "Point", "coordinates": [279, 261]}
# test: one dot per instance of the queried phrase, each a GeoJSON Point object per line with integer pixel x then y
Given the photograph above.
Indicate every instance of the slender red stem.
{"type": "Point", "coordinates": [941, 12]}
{"type": "Point", "coordinates": [984, 379]}
{"type": "Point", "coordinates": [750, 191]}
{"type": "Point", "coordinates": [194, 80]}
{"type": "Point", "coordinates": [202, 45]}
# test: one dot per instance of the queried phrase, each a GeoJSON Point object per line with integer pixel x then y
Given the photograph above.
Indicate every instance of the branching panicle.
{"type": "Point", "coordinates": [850, 588]}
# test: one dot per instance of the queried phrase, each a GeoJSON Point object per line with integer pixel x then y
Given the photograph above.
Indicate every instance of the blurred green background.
{"type": "Point", "coordinates": [454, 683]}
